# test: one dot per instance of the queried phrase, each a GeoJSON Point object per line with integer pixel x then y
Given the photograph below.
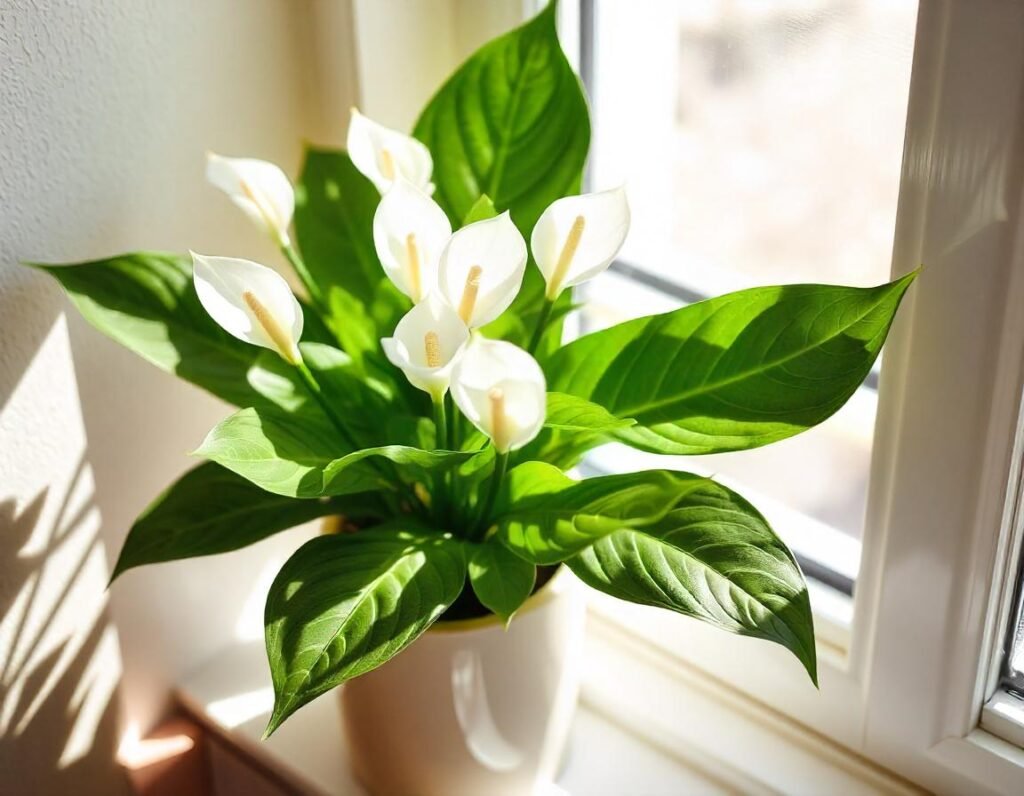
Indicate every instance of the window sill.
{"type": "Point", "coordinates": [231, 697]}
{"type": "Point", "coordinates": [1003, 716]}
{"type": "Point", "coordinates": [633, 708]}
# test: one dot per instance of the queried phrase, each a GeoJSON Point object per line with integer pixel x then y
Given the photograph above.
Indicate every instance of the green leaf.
{"type": "Point", "coordinates": [511, 123]}
{"type": "Point", "coordinates": [146, 302]}
{"type": "Point", "coordinates": [501, 580]}
{"type": "Point", "coordinates": [546, 517]}
{"type": "Point", "coordinates": [334, 212]}
{"type": "Point", "coordinates": [359, 328]}
{"type": "Point", "coordinates": [715, 558]}
{"type": "Point", "coordinates": [481, 210]}
{"type": "Point", "coordinates": [298, 460]}
{"type": "Point", "coordinates": [344, 604]}
{"type": "Point", "coordinates": [359, 399]}
{"type": "Point", "coordinates": [211, 510]}
{"type": "Point", "coordinates": [334, 207]}
{"type": "Point", "coordinates": [735, 372]}
{"type": "Point", "coordinates": [573, 426]}
{"type": "Point", "coordinates": [569, 413]}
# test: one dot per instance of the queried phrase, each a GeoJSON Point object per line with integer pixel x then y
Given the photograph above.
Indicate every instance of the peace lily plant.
{"type": "Point", "coordinates": [420, 388]}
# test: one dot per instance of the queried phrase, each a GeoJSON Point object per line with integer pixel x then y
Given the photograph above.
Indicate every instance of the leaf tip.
{"type": "Point", "coordinates": [114, 576]}
{"type": "Point", "coordinates": [277, 718]}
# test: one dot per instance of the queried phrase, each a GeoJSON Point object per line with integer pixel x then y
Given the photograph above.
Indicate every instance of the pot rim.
{"type": "Point", "coordinates": [544, 595]}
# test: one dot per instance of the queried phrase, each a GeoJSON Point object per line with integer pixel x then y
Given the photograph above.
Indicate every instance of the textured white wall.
{"type": "Point", "coordinates": [108, 106]}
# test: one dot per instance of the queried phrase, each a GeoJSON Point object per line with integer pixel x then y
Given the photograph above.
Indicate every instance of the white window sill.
{"type": "Point", "coordinates": [232, 697]}
{"type": "Point", "coordinates": [1003, 716]}
{"type": "Point", "coordinates": [646, 724]}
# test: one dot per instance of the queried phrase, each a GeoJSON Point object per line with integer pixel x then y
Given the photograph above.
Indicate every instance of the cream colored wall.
{"type": "Point", "coordinates": [407, 48]}
{"type": "Point", "coordinates": [107, 109]}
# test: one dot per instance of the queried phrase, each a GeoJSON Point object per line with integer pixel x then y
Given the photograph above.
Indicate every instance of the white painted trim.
{"type": "Point", "coordinates": [955, 389]}
{"type": "Point", "coordinates": [936, 548]}
{"type": "Point", "coordinates": [1003, 716]}
{"type": "Point", "coordinates": [751, 747]}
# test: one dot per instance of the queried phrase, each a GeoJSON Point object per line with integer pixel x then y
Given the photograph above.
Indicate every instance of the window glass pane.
{"type": "Point", "coordinates": [760, 144]}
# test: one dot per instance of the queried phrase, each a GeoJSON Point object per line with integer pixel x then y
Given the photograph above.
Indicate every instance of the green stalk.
{"type": "Point", "coordinates": [441, 422]}
{"type": "Point", "coordinates": [292, 255]}
{"type": "Point", "coordinates": [441, 509]}
{"type": "Point", "coordinates": [542, 323]}
{"type": "Point", "coordinates": [493, 487]}
{"type": "Point", "coordinates": [453, 423]}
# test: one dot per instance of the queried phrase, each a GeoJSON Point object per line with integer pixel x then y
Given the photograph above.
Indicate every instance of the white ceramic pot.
{"type": "Point", "coordinates": [471, 708]}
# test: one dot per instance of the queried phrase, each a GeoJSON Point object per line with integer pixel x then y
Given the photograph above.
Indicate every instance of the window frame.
{"type": "Point", "coordinates": [938, 531]}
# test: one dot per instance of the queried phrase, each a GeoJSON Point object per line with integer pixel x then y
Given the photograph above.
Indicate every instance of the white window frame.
{"type": "Point", "coordinates": [905, 684]}
{"type": "Point", "coordinates": [909, 688]}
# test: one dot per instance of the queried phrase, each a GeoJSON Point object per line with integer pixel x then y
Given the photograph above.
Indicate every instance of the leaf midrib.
{"type": "Point", "coordinates": [707, 387]}
{"type": "Point", "coordinates": [236, 353]}
{"type": "Point", "coordinates": [707, 567]}
{"type": "Point", "coordinates": [504, 143]}
{"type": "Point", "coordinates": [364, 595]}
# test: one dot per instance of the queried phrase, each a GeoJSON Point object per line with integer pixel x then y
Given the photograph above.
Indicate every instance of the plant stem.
{"type": "Point", "coordinates": [441, 423]}
{"type": "Point", "coordinates": [542, 323]}
{"type": "Point", "coordinates": [453, 422]}
{"type": "Point", "coordinates": [292, 255]}
{"type": "Point", "coordinates": [441, 510]}
{"type": "Point", "coordinates": [493, 487]}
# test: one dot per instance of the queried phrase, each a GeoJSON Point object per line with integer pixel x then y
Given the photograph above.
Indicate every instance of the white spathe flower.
{"type": "Point", "coordinates": [409, 232]}
{"type": "Point", "coordinates": [501, 389]}
{"type": "Point", "coordinates": [482, 269]}
{"type": "Point", "coordinates": [251, 302]}
{"type": "Point", "coordinates": [383, 154]}
{"type": "Point", "coordinates": [260, 188]}
{"type": "Point", "coordinates": [577, 237]}
{"type": "Point", "coordinates": [427, 344]}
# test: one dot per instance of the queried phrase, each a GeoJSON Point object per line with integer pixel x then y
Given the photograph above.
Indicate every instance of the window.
{"type": "Point", "coordinates": [761, 144]}
{"type": "Point", "coordinates": [927, 102]}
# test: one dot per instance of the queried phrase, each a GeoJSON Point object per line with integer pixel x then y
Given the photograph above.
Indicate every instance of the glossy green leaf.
{"type": "Point", "coordinates": [334, 207]}
{"type": "Point", "coordinates": [334, 228]}
{"type": "Point", "coordinates": [546, 517]}
{"type": "Point", "coordinates": [211, 510]}
{"type": "Point", "coordinates": [295, 460]}
{"type": "Point", "coordinates": [501, 580]}
{"type": "Point", "coordinates": [714, 558]}
{"type": "Point", "coordinates": [146, 302]}
{"type": "Point", "coordinates": [511, 123]}
{"type": "Point", "coordinates": [570, 413]}
{"type": "Point", "coordinates": [344, 604]}
{"type": "Point", "coordinates": [573, 426]}
{"type": "Point", "coordinates": [734, 372]}
{"type": "Point", "coordinates": [359, 399]}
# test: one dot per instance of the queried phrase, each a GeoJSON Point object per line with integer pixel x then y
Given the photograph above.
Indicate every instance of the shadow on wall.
{"type": "Point", "coordinates": [59, 658]}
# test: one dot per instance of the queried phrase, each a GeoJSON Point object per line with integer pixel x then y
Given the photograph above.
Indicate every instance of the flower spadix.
{"type": "Point", "coordinates": [251, 302]}
{"type": "Point", "coordinates": [383, 155]}
{"type": "Point", "coordinates": [428, 342]}
{"type": "Point", "coordinates": [482, 269]}
{"type": "Point", "coordinates": [577, 238]}
{"type": "Point", "coordinates": [501, 389]}
{"type": "Point", "coordinates": [409, 232]}
{"type": "Point", "coordinates": [260, 188]}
